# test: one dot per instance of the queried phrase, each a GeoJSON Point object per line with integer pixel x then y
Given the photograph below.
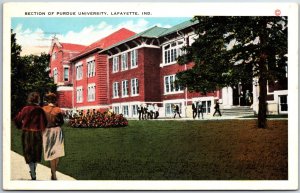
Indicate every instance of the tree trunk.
{"type": "Point", "coordinates": [262, 107]}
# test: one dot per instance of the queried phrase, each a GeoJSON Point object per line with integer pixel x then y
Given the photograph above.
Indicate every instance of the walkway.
{"type": "Point", "coordinates": [20, 170]}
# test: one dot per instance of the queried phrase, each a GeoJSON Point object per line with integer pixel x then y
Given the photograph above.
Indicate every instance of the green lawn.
{"type": "Point", "coordinates": [176, 150]}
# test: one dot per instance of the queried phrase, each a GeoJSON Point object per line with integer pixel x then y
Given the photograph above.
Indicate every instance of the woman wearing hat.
{"type": "Point", "coordinates": [53, 139]}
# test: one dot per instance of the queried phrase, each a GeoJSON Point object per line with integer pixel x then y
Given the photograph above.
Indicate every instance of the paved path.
{"type": "Point", "coordinates": [20, 170]}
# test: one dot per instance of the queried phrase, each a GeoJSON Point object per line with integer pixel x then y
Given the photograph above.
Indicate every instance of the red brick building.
{"type": "Point", "coordinates": [125, 70]}
{"type": "Point", "coordinates": [62, 70]}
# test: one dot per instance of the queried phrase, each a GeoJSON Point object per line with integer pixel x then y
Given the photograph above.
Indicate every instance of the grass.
{"type": "Point", "coordinates": [176, 150]}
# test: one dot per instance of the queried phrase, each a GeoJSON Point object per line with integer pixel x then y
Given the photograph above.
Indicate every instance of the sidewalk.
{"type": "Point", "coordinates": [20, 170]}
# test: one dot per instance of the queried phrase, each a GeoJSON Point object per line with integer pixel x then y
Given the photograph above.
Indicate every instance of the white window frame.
{"type": "Point", "coordinates": [134, 110]}
{"type": "Point", "coordinates": [115, 64]}
{"type": "Point", "coordinates": [79, 94]}
{"type": "Point", "coordinates": [125, 88]}
{"type": "Point", "coordinates": [116, 90]}
{"type": "Point", "coordinates": [55, 75]}
{"type": "Point", "coordinates": [134, 58]}
{"type": "Point", "coordinates": [91, 92]}
{"type": "Point", "coordinates": [172, 50]}
{"type": "Point", "coordinates": [79, 71]}
{"type": "Point", "coordinates": [135, 91]}
{"type": "Point", "coordinates": [125, 111]}
{"type": "Point", "coordinates": [91, 68]}
{"type": "Point", "coordinates": [124, 61]}
{"type": "Point", "coordinates": [68, 76]}
{"type": "Point", "coordinates": [169, 85]}
{"type": "Point", "coordinates": [116, 109]}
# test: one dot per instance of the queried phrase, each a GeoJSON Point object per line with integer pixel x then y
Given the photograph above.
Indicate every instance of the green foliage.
{"type": "Point", "coordinates": [230, 50]}
{"type": "Point", "coordinates": [28, 74]}
{"type": "Point", "coordinates": [226, 51]}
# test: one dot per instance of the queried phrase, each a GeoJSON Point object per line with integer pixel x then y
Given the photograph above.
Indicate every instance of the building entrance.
{"type": "Point", "coordinates": [242, 95]}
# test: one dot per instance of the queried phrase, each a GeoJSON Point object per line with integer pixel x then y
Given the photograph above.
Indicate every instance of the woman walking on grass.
{"type": "Point", "coordinates": [32, 120]}
{"type": "Point", "coordinates": [53, 139]}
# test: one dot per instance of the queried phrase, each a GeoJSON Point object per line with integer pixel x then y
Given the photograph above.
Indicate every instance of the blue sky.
{"type": "Point", "coordinates": [34, 34]}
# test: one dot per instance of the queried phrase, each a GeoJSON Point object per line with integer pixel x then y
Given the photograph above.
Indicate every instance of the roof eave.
{"type": "Point", "coordinates": [85, 53]}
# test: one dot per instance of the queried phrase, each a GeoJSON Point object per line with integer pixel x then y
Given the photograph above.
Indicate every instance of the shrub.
{"type": "Point", "coordinates": [97, 120]}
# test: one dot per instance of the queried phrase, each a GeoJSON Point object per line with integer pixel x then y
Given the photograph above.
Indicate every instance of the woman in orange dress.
{"type": "Point", "coordinates": [53, 139]}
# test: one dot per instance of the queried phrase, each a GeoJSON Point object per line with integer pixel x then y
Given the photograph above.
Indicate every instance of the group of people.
{"type": "Point", "coordinates": [41, 132]}
{"type": "Point", "coordinates": [197, 108]}
{"type": "Point", "coordinates": [150, 111]}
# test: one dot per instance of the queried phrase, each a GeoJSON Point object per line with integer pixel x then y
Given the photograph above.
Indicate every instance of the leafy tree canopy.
{"type": "Point", "coordinates": [28, 73]}
{"type": "Point", "coordinates": [228, 50]}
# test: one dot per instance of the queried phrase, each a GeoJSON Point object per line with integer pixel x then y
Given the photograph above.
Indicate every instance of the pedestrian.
{"type": "Point", "coordinates": [140, 112]}
{"type": "Point", "coordinates": [194, 108]}
{"type": "Point", "coordinates": [217, 109]}
{"type": "Point", "coordinates": [32, 120]}
{"type": "Point", "coordinates": [53, 138]}
{"type": "Point", "coordinates": [145, 111]}
{"type": "Point", "coordinates": [177, 111]}
{"type": "Point", "coordinates": [200, 109]}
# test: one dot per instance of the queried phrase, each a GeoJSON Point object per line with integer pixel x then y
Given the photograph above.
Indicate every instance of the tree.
{"type": "Point", "coordinates": [28, 74]}
{"type": "Point", "coordinates": [229, 50]}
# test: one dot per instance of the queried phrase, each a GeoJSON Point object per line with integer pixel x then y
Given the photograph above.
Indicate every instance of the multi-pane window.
{"type": "Point", "coordinates": [115, 90]}
{"type": "Point", "coordinates": [79, 97]}
{"type": "Point", "coordinates": [55, 75]}
{"type": "Point", "coordinates": [134, 86]}
{"type": "Point", "coordinates": [79, 72]}
{"type": "Point", "coordinates": [124, 88]}
{"type": "Point", "coordinates": [91, 68]}
{"type": "Point", "coordinates": [116, 109]}
{"type": "Point", "coordinates": [91, 92]}
{"type": "Point", "coordinates": [170, 85]}
{"type": "Point", "coordinates": [169, 108]}
{"type": "Point", "coordinates": [116, 64]}
{"type": "Point", "coordinates": [206, 106]}
{"type": "Point", "coordinates": [66, 74]}
{"type": "Point", "coordinates": [124, 63]}
{"type": "Point", "coordinates": [133, 58]}
{"type": "Point", "coordinates": [125, 110]}
{"type": "Point", "coordinates": [134, 110]}
{"type": "Point", "coordinates": [172, 51]}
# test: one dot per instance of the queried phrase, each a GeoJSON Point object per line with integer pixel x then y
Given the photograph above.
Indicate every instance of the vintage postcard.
{"type": "Point", "coordinates": [150, 96]}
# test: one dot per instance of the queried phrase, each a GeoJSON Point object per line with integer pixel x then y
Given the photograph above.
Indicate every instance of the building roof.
{"type": "Point", "coordinates": [156, 32]}
{"type": "Point", "coordinates": [107, 41]}
{"type": "Point", "coordinates": [179, 27]}
{"type": "Point", "coordinates": [72, 47]}
{"type": "Point", "coordinates": [153, 32]}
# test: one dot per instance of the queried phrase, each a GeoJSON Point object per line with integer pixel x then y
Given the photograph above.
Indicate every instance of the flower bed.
{"type": "Point", "coordinates": [98, 120]}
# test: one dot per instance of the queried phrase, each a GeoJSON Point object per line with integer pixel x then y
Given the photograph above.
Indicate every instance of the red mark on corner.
{"type": "Point", "coordinates": [277, 12]}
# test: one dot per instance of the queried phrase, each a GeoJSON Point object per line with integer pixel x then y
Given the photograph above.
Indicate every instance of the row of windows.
{"type": "Point", "coordinates": [125, 88]}
{"type": "Point", "coordinates": [91, 70]}
{"type": "Point", "coordinates": [91, 93]}
{"type": "Point", "coordinates": [124, 61]}
{"type": "Point", "coordinates": [169, 85]}
{"type": "Point", "coordinates": [125, 110]}
{"type": "Point", "coordinates": [132, 110]}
